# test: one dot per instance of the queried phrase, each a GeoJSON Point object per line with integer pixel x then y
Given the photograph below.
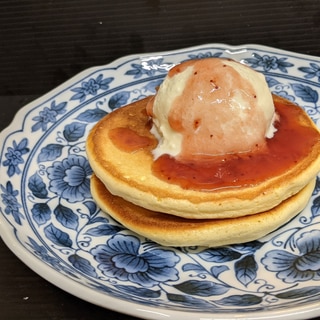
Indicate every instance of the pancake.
{"type": "Point", "coordinates": [125, 168]}
{"type": "Point", "coordinates": [169, 230]}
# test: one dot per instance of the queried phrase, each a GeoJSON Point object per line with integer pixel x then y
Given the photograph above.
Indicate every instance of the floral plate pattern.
{"type": "Point", "coordinates": [49, 220]}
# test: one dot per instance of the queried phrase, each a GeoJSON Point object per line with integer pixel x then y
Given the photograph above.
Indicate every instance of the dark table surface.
{"type": "Point", "coordinates": [43, 43]}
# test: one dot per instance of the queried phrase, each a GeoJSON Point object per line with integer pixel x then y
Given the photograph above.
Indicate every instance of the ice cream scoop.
{"type": "Point", "coordinates": [210, 107]}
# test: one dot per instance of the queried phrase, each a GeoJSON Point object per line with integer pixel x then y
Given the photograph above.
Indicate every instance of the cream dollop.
{"type": "Point", "coordinates": [210, 107]}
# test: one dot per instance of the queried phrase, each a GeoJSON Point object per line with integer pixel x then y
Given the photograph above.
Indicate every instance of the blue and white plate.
{"type": "Point", "coordinates": [49, 220]}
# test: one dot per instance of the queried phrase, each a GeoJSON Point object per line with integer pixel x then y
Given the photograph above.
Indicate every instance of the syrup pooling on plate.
{"type": "Point", "coordinates": [242, 169]}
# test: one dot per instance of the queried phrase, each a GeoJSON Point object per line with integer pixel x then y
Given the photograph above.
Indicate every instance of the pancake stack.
{"type": "Point", "coordinates": [126, 185]}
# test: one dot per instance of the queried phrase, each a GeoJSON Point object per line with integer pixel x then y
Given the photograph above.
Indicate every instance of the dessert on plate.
{"type": "Point", "coordinates": [206, 161]}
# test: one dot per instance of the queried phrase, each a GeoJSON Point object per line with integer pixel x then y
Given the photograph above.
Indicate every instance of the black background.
{"type": "Point", "coordinates": [44, 43]}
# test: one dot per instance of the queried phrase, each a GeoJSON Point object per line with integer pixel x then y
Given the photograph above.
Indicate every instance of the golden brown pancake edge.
{"type": "Point", "coordinates": [129, 176]}
{"type": "Point", "coordinates": [169, 230]}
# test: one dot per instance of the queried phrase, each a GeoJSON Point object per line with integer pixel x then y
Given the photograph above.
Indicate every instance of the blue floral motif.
{"type": "Point", "coordinates": [306, 93]}
{"type": "Point", "coordinates": [152, 86]}
{"type": "Point", "coordinates": [272, 82]}
{"type": "Point", "coordinates": [207, 54]}
{"type": "Point", "coordinates": [70, 178]}
{"type": "Point", "coordinates": [103, 229]}
{"type": "Point", "coordinates": [118, 100]}
{"type": "Point", "coordinates": [14, 156]}
{"type": "Point", "coordinates": [316, 191]}
{"type": "Point", "coordinates": [82, 265]}
{"type": "Point", "coordinates": [269, 62]}
{"type": "Point", "coordinates": [148, 67]}
{"type": "Point", "coordinates": [48, 115]}
{"type": "Point", "coordinates": [44, 255]}
{"type": "Point", "coordinates": [285, 94]}
{"type": "Point", "coordinates": [312, 71]}
{"type": "Point", "coordinates": [91, 87]}
{"type": "Point", "coordinates": [91, 115]}
{"type": "Point", "coordinates": [57, 236]}
{"type": "Point", "coordinates": [41, 213]}
{"type": "Point", "coordinates": [9, 198]}
{"type": "Point", "coordinates": [42, 252]}
{"type": "Point", "coordinates": [50, 152]}
{"type": "Point", "coordinates": [202, 288]}
{"type": "Point", "coordinates": [37, 186]}
{"type": "Point", "coordinates": [74, 131]}
{"type": "Point", "coordinates": [124, 258]}
{"type": "Point", "coordinates": [245, 265]}
{"type": "Point", "coordinates": [297, 267]}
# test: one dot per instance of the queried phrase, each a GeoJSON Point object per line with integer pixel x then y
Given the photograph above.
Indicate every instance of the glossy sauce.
{"type": "Point", "coordinates": [128, 140]}
{"type": "Point", "coordinates": [290, 144]}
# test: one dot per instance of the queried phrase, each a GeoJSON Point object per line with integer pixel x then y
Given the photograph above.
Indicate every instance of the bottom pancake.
{"type": "Point", "coordinates": [169, 230]}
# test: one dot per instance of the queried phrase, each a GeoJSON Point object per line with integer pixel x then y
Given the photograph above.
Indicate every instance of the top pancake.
{"type": "Point", "coordinates": [128, 174]}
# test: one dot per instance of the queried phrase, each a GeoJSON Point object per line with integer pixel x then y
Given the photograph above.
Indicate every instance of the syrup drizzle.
{"type": "Point", "coordinates": [290, 144]}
